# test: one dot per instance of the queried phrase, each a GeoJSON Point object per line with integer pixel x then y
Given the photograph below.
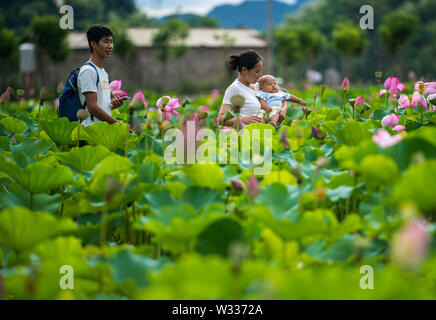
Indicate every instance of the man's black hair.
{"type": "Point", "coordinates": [96, 32]}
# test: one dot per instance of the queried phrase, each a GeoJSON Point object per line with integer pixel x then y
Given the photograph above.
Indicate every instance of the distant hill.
{"type": "Point", "coordinates": [248, 14]}
{"type": "Point", "coordinates": [252, 14]}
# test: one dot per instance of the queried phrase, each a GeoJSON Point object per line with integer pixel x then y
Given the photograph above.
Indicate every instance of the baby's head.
{"type": "Point", "coordinates": [268, 83]}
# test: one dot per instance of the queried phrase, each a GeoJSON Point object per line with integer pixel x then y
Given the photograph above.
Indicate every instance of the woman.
{"type": "Point", "coordinates": [249, 66]}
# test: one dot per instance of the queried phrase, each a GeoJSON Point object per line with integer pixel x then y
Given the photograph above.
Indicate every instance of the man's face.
{"type": "Point", "coordinates": [104, 47]}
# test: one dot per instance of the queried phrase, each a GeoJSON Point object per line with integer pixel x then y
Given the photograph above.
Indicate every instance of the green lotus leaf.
{"type": "Point", "coordinates": [352, 133]}
{"type": "Point", "coordinates": [37, 177]}
{"type": "Point", "coordinates": [59, 130]}
{"type": "Point", "coordinates": [84, 159]}
{"type": "Point", "coordinates": [111, 136]}
{"type": "Point", "coordinates": [379, 170]}
{"type": "Point", "coordinates": [176, 226]}
{"type": "Point", "coordinates": [200, 197]}
{"type": "Point", "coordinates": [22, 229]}
{"type": "Point", "coordinates": [13, 125]}
{"type": "Point", "coordinates": [206, 175]}
{"type": "Point", "coordinates": [219, 236]}
{"type": "Point", "coordinates": [280, 200]}
{"type": "Point", "coordinates": [418, 185]}
{"type": "Point", "coordinates": [128, 266]}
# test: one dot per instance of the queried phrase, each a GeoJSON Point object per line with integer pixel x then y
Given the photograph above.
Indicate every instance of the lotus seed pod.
{"type": "Point", "coordinates": [82, 115]}
{"type": "Point", "coordinates": [237, 101]}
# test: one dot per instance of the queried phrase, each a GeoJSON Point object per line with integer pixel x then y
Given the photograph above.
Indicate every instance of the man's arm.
{"type": "Point", "coordinates": [116, 102]}
{"type": "Point", "coordinates": [95, 109]}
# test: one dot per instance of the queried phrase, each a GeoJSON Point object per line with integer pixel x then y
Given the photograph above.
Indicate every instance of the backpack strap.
{"type": "Point", "coordinates": [98, 80]}
{"type": "Point", "coordinates": [90, 64]}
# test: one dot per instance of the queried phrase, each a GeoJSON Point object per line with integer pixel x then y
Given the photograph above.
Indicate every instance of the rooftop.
{"type": "Point", "coordinates": [198, 37]}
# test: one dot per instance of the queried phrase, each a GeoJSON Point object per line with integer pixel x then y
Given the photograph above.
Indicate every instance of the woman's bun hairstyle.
{"type": "Point", "coordinates": [233, 62]}
{"type": "Point", "coordinates": [247, 59]}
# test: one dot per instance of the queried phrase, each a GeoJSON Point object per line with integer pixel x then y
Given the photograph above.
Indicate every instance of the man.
{"type": "Point", "coordinates": [93, 89]}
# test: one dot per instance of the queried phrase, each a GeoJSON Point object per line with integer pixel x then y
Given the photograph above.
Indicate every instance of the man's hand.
{"type": "Point", "coordinates": [116, 102]}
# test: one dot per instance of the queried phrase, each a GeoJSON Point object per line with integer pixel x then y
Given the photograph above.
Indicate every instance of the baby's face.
{"type": "Point", "coordinates": [269, 85]}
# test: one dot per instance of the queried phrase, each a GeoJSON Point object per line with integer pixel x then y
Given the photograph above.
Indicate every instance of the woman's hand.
{"type": "Point", "coordinates": [251, 119]}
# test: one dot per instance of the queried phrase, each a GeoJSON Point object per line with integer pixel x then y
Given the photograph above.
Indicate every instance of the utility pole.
{"type": "Point", "coordinates": [269, 30]}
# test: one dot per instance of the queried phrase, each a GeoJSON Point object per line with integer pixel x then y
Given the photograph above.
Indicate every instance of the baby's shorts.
{"type": "Point", "coordinates": [274, 111]}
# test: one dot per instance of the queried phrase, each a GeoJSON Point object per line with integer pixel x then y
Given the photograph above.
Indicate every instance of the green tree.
{"type": "Point", "coordinates": [169, 41]}
{"type": "Point", "coordinates": [123, 45]}
{"type": "Point", "coordinates": [8, 50]}
{"type": "Point", "coordinates": [298, 42]}
{"type": "Point", "coordinates": [349, 41]}
{"type": "Point", "coordinates": [396, 31]}
{"type": "Point", "coordinates": [50, 39]}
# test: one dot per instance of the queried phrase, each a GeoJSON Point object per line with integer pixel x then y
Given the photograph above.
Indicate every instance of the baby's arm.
{"type": "Point", "coordinates": [264, 105]}
{"type": "Point", "coordinates": [296, 100]}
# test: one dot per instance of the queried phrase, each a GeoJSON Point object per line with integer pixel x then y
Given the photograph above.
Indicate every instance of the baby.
{"type": "Point", "coordinates": [272, 100]}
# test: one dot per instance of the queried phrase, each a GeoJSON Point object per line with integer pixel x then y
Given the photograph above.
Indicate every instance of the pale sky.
{"type": "Point", "coordinates": [159, 8]}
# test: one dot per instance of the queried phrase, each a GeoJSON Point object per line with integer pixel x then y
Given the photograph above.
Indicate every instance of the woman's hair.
{"type": "Point", "coordinates": [247, 59]}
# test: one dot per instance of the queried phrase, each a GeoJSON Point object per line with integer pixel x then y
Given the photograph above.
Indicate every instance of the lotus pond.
{"type": "Point", "coordinates": [347, 211]}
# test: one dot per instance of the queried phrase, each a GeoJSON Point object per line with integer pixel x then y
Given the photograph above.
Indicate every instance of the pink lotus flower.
{"type": "Point", "coordinates": [385, 140]}
{"type": "Point", "coordinates": [393, 86]}
{"type": "Point", "coordinates": [399, 128]}
{"type": "Point", "coordinates": [294, 121]}
{"type": "Point", "coordinates": [253, 188]}
{"type": "Point", "coordinates": [56, 103]}
{"type": "Point", "coordinates": [411, 75]}
{"type": "Point", "coordinates": [6, 95]}
{"type": "Point", "coordinates": [116, 89]}
{"type": "Point", "coordinates": [430, 88]}
{"type": "Point", "coordinates": [404, 101]}
{"type": "Point", "coordinates": [170, 108]}
{"type": "Point", "coordinates": [203, 108]}
{"type": "Point", "coordinates": [410, 245]}
{"type": "Point", "coordinates": [31, 92]}
{"type": "Point", "coordinates": [60, 87]}
{"type": "Point", "coordinates": [138, 101]}
{"type": "Point", "coordinates": [418, 98]}
{"type": "Point", "coordinates": [215, 92]}
{"type": "Point", "coordinates": [346, 84]}
{"type": "Point", "coordinates": [359, 101]}
{"type": "Point", "coordinates": [391, 120]}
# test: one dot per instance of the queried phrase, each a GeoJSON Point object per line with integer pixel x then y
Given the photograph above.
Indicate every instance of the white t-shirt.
{"type": "Point", "coordinates": [87, 82]}
{"type": "Point", "coordinates": [252, 104]}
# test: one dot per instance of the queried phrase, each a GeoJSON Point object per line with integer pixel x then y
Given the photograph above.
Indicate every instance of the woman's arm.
{"type": "Point", "coordinates": [222, 114]}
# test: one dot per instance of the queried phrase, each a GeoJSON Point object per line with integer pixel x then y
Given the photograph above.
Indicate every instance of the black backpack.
{"type": "Point", "coordinates": [69, 101]}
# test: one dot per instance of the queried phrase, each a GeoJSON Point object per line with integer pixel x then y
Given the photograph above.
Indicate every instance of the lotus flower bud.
{"type": "Point", "coordinates": [284, 140]}
{"type": "Point", "coordinates": [60, 87]}
{"type": "Point", "coordinates": [316, 133]}
{"type": "Point", "coordinates": [253, 187]}
{"type": "Point", "coordinates": [391, 120]}
{"type": "Point", "coordinates": [346, 84]}
{"type": "Point", "coordinates": [44, 94]}
{"type": "Point", "coordinates": [238, 185]}
{"type": "Point", "coordinates": [138, 127]}
{"type": "Point", "coordinates": [237, 102]}
{"type": "Point", "coordinates": [20, 93]}
{"type": "Point", "coordinates": [410, 245]}
{"type": "Point", "coordinates": [378, 76]}
{"type": "Point", "coordinates": [137, 104]}
{"type": "Point", "coordinates": [6, 95]}
{"type": "Point", "coordinates": [82, 115]}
